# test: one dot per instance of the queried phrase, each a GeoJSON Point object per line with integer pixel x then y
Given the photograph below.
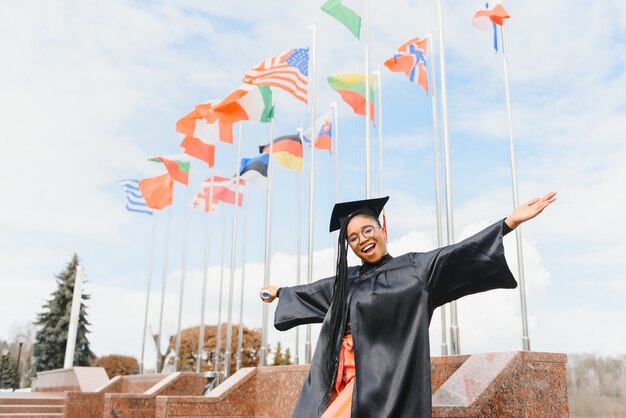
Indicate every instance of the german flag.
{"type": "Point", "coordinates": [287, 151]}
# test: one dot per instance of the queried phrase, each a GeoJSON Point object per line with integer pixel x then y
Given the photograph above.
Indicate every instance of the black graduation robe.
{"type": "Point", "coordinates": [390, 308]}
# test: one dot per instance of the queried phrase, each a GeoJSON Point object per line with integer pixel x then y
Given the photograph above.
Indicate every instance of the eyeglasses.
{"type": "Point", "coordinates": [366, 231]}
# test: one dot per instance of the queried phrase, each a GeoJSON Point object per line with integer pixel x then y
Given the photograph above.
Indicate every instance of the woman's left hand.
{"type": "Point", "coordinates": [529, 210]}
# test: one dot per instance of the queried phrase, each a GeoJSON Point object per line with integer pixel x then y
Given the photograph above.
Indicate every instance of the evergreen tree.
{"type": "Point", "coordinates": [53, 323]}
{"type": "Point", "coordinates": [281, 359]}
{"type": "Point", "coordinates": [7, 365]}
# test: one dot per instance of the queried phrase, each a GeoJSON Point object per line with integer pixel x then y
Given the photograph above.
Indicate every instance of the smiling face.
{"type": "Point", "coordinates": [372, 248]}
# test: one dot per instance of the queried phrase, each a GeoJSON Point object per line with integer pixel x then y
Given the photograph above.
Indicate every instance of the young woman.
{"type": "Point", "coordinates": [372, 357]}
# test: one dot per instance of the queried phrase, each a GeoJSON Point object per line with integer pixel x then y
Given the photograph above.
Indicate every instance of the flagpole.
{"type": "Point", "coordinates": [268, 232]}
{"type": "Point", "coordinates": [368, 99]}
{"type": "Point", "coordinates": [233, 256]}
{"type": "Point", "coordinates": [299, 242]}
{"type": "Point", "coordinates": [518, 231]}
{"type": "Point", "coordinates": [145, 316]}
{"type": "Point", "coordinates": [335, 140]}
{"type": "Point", "coordinates": [218, 331]}
{"type": "Point", "coordinates": [455, 336]}
{"type": "Point", "coordinates": [246, 205]}
{"type": "Point", "coordinates": [184, 270]}
{"type": "Point", "coordinates": [313, 29]}
{"type": "Point", "coordinates": [444, 334]}
{"type": "Point", "coordinates": [379, 111]}
{"type": "Point", "coordinates": [165, 257]}
{"type": "Point", "coordinates": [207, 243]}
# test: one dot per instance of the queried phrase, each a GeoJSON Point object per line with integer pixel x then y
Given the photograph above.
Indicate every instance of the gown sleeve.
{"type": "Point", "coordinates": [474, 265]}
{"type": "Point", "coordinates": [303, 304]}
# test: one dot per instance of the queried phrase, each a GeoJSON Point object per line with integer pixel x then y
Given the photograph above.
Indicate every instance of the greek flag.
{"type": "Point", "coordinates": [134, 200]}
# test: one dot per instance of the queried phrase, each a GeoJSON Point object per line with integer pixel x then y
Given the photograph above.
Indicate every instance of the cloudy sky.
{"type": "Point", "coordinates": [90, 90]}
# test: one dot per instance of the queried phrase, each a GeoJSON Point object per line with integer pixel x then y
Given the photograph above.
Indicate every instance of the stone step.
{"type": "Point", "coordinates": [22, 409]}
{"type": "Point", "coordinates": [31, 401]}
{"type": "Point", "coordinates": [31, 415]}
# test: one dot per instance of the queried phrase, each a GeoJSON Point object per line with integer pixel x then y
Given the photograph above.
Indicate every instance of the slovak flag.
{"type": "Point", "coordinates": [489, 18]}
{"type": "Point", "coordinates": [410, 59]}
{"type": "Point", "coordinates": [324, 136]}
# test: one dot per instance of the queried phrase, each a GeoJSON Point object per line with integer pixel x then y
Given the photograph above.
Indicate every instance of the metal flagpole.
{"type": "Point", "coordinates": [184, 270]}
{"type": "Point", "coordinates": [379, 111]}
{"type": "Point", "coordinates": [246, 205]}
{"type": "Point", "coordinates": [145, 316]}
{"type": "Point", "coordinates": [518, 231]}
{"type": "Point", "coordinates": [368, 99]}
{"type": "Point", "coordinates": [313, 29]}
{"type": "Point", "coordinates": [299, 246]}
{"type": "Point", "coordinates": [165, 257]}
{"type": "Point", "coordinates": [335, 139]}
{"type": "Point", "coordinates": [218, 331]}
{"type": "Point", "coordinates": [233, 257]}
{"type": "Point", "coordinates": [444, 325]}
{"type": "Point", "coordinates": [455, 336]}
{"type": "Point", "coordinates": [268, 242]}
{"type": "Point", "coordinates": [207, 243]}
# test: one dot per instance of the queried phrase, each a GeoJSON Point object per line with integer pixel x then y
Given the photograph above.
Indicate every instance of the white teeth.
{"type": "Point", "coordinates": [369, 247]}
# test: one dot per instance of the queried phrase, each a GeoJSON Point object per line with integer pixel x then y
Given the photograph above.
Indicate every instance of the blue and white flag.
{"type": "Point", "coordinates": [134, 200]}
{"type": "Point", "coordinates": [255, 170]}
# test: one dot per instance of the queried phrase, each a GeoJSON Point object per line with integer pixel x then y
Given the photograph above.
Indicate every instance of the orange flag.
{"type": "Point", "coordinates": [157, 191]}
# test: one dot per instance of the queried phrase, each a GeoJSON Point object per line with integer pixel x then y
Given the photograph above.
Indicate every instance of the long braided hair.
{"type": "Point", "coordinates": [338, 308]}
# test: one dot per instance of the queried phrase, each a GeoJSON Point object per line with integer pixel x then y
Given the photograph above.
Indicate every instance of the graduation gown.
{"type": "Point", "coordinates": [390, 308]}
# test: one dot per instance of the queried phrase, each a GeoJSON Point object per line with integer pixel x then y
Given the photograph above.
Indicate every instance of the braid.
{"type": "Point", "coordinates": [338, 316]}
{"type": "Point", "coordinates": [338, 309]}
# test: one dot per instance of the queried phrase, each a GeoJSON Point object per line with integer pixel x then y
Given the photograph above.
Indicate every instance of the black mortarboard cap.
{"type": "Point", "coordinates": [346, 210]}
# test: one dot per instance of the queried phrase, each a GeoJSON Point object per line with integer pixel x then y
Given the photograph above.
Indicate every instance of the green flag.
{"type": "Point", "coordinates": [345, 15]}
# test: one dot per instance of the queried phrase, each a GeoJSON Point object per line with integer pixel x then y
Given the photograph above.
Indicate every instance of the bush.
{"type": "Point", "coordinates": [117, 365]}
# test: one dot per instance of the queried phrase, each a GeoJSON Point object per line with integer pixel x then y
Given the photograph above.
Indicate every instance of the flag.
{"type": "Point", "coordinates": [255, 170]}
{"type": "Point", "coordinates": [157, 191]}
{"type": "Point", "coordinates": [345, 15]}
{"type": "Point", "coordinates": [410, 59]}
{"type": "Point", "coordinates": [248, 102]}
{"type": "Point", "coordinates": [351, 88]}
{"type": "Point", "coordinates": [134, 200]}
{"type": "Point", "coordinates": [201, 202]}
{"type": "Point", "coordinates": [288, 70]}
{"type": "Point", "coordinates": [324, 136]}
{"type": "Point", "coordinates": [489, 19]}
{"type": "Point", "coordinates": [323, 126]}
{"type": "Point", "coordinates": [179, 170]}
{"type": "Point", "coordinates": [200, 136]}
{"type": "Point", "coordinates": [287, 151]}
{"type": "Point", "coordinates": [196, 148]}
{"type": "Point", "coordinates": [224, 190]}
{"type": "Point", "coordinates": [224, 128]}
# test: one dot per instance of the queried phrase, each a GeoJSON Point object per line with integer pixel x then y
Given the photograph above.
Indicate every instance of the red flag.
{"type": "Point", "coordinates": [485, 17]}
{"type": "Point", "coordinates": [225, 128]}
{"type": "Point", "coordinates": [157, 191]}
{"type": "Point", "coordinates": [179, 170]}
{"type": "Point", "coordinates": [198, 149]}
{"type": "Point", "coordinates": [224, 190]}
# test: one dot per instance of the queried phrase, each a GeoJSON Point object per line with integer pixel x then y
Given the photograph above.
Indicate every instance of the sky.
{"type": "Point", "coordinates": [91, 91]}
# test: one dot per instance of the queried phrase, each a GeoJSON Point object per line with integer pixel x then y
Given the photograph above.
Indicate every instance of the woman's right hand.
{"type": "Point", "coordinates": [268, 293]}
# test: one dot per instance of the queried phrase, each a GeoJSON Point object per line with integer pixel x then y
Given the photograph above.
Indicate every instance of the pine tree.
{"type": "Point", "coordinates": [53, 323]}
{"type": "Point", "coordinates": [7, 364]}
{"type": "Point", "coordinates": [281, 359]}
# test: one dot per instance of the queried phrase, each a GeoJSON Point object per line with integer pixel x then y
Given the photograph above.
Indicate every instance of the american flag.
{"type": "Point", "coordinates": [287, 70]}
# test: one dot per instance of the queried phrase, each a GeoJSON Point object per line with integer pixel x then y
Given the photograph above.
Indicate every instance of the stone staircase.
{"type": "Point", "coordinates": [31, 405]}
